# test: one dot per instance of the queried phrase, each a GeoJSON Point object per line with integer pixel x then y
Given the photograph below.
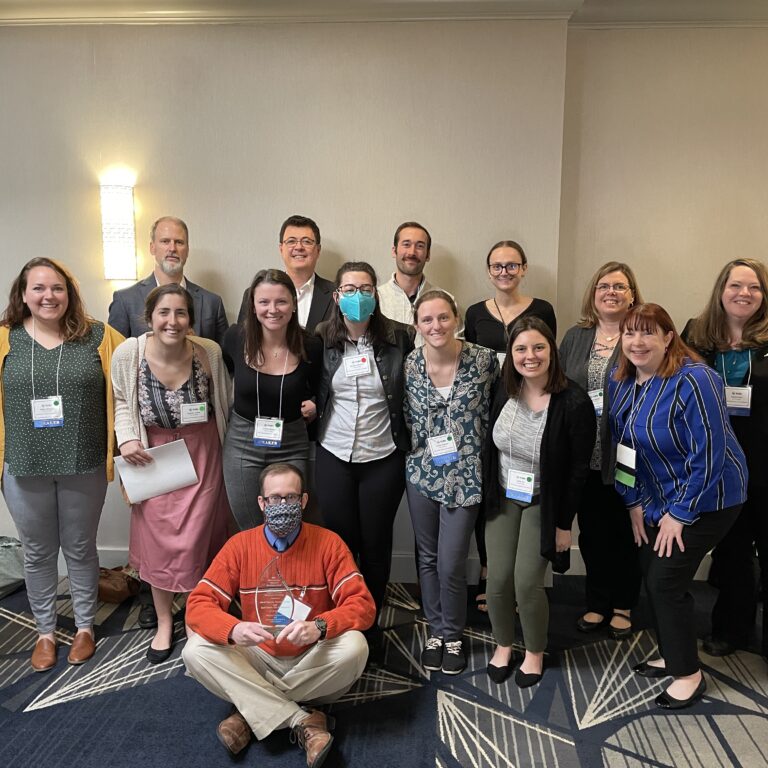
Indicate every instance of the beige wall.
{"type": "Point", "coordinates": [361, 126]}
{"type": "Point", "coordinates": [664, 161]}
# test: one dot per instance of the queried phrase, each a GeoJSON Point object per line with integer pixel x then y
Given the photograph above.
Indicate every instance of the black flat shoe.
{"type": "Point", "coordinates": [589, 626]}
{"type": "Point", "coordinates": [665, 701]}
{"type": "Point", "coordinates": [148, 616]}
{"type": "Point", "coordinates": [499, 674]}
{"type": "Point", "coordinates": [526, 679]}
{"type": "Point", "coordinates": [155, 656]}
{"type": "Point", "coordinates": [619, 633]}
{"type": "Point", "coordinates": [644, 669]}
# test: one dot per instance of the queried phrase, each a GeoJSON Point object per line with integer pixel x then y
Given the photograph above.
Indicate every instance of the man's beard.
{"type": "Point", "coordinates": [172, 269]}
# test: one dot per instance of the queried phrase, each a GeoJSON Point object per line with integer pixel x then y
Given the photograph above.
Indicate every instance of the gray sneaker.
{"type": "Point", "coordinates": [454, 660]}
{"type": "Point", "coordinates": [432, 655]}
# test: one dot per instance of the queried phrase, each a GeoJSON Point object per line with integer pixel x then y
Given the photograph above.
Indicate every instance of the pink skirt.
{"type": "Point", "coordinates": [175, 536]}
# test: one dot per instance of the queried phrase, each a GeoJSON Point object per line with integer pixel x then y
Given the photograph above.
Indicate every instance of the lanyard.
{"type": "Point", "coordinates": [725, 376]}
{"type": "Point", "coordinates": [503, 324]}
{"type": "Point", "coordinates": [535, 439]}
{"type": "Point", "coordinates": [282, 380]}
{"type": "Point", "coordinates": [58, 364]}
{"type": "Point", "coordinates": [449, 429]}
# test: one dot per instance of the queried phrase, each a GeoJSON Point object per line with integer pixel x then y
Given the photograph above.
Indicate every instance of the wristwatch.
{"type": "Point", "coordinates": [322, 625]}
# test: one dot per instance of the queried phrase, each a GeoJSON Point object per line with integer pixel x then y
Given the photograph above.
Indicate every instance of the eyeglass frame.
{"type": "Point", "coordinates": [511, 268]}
{"type": "Point", "coordinates": [612, 287]}
{"type": "Point", "coordinates": [276, 498]}
{"type": "Point", "coordinates": [292, 242]}
{"type": "Point", "coordinates": [349, 290]}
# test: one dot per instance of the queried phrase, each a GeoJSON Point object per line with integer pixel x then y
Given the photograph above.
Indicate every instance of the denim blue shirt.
{"type": "Point", "coordinates": [688, 459]}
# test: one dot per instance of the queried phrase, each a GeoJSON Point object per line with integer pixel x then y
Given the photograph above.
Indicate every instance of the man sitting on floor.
{"type": "Point", "coordinates": [319, 653]}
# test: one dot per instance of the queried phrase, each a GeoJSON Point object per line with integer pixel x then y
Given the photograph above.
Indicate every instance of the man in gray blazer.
{"type": "Point", "coordinates": [300, 249]}
{"type": "Point", "coordinates": [169, 244]}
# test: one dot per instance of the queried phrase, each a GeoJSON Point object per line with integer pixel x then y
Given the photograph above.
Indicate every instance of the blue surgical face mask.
{"type": "Point", "coordinates": [358, 307]}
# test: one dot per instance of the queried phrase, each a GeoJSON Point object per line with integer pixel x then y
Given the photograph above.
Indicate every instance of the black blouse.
{"type": "Point", "coordinates": [481, 327]}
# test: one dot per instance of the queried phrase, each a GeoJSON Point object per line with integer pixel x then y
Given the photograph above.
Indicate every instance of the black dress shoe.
{"type": "Point", "coordinates": [155, 656]}
{"type": "Point", "coordinates": [714, 646]}
{"type": "Point", "coordinates": [665, 701]}
{"type": "Point", "coordinates": [644, 669]}
{"type": "Point", "coordinates": [147, 616]}
{"type": "Point", "coordinates": [526, 679]}
{"type": "Point", "coordinates": [498, 674]}
{"type": "Point", "coordinates": [619, 633]}
{"type": "Point", "coordinates": [589, 626]}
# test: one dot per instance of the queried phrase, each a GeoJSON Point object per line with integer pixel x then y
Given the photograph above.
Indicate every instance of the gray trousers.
{"type": "Point", "coordinates": [267, 689]}
{"type": "Point", "coordinates": [516, 574]}
{"type": "Point", "coordinates": [243, 463]}
{"type": "Point", "coordinates": [52, 512]}
{"type": "Point", "coordinates": [442, 538]}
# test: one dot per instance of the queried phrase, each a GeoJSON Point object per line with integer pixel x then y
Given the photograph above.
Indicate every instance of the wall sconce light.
{"type": "Point", "coordinates": [118, 231]}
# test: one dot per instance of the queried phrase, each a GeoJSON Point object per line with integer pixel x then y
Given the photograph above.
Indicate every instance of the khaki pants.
{"type": "Point", "coordinates": [267, 689]}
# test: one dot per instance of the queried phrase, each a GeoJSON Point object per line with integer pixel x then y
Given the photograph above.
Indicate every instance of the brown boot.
{"type": "Point", "coordinates": [234, 733]}
{"type": "Point", "coordinates": [312, 735]}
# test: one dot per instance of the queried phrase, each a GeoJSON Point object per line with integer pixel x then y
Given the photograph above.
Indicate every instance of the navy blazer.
{"type": "Point", "coordinates": [126, 312]}
{"type": "Point", "coordinates": [320, 309]}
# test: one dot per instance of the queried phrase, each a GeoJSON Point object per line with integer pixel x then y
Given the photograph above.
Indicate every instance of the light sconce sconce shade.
{"type": "Point", "coordinates": [118, 231]}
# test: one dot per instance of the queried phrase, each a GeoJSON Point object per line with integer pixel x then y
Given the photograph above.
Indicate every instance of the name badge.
{"type": "Point", "coordinates": [48, 412]}
{"type": "Point", "coordinates": [194, 413]}
{"type": "Point", "coordinates": [443, 449]}
{"type": "Point", "coordinates": [357, 365]}
{"type": "Point", "coordinates": [267, 433]}
{"type": "Point", "coordinates": [596, 396]}
{"type": "Point", "coordinates": [519, 485]}
{"type": "Point", "coordinates": [738, 400]}
{"type": "Point", "coordinates": [626, 459]}
{"type": "Point", "coordinates": [501, 357]}
{"type": "Point", "coordinates": [285, 616]}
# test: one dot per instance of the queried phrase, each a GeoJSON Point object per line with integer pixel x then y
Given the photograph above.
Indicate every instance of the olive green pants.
{"type": "Point", "coordinates": [516, 574]}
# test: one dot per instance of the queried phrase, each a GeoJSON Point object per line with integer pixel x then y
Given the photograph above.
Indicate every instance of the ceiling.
{"type": "Point", "coordinates": [579, 12]}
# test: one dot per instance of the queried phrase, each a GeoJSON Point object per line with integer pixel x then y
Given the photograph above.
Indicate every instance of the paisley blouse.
{"type": "Point", "coordinates": [464, 413]}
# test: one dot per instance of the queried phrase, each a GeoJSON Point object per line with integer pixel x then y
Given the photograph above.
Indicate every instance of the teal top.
{"type": "Point", "coordinates": [80, 445]}
{"type": "Point", "coordinates": [733, 366]}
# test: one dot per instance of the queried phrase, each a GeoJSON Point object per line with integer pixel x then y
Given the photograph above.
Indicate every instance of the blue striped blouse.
{"type": "Point", "coordinates": [688, 459]}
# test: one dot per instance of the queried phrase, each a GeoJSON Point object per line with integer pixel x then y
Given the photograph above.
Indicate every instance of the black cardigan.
{"type": "Point", "coordinates": [566, 448]}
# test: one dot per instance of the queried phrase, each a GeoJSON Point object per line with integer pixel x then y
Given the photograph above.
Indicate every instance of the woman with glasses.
{"type": "Point", "coordinates": [731, 334]}
{"type": "Point", "coordinates": [276, 367]}
{"type": "Point", "coordinates": [56, 444]}
{"type": "Point", "coordinates": [488, 324]}
{"type": "Point", "coordinates": [172, 386]}
{"type": "Point", "coordinates": [589, 352]}
{"type": "Point", "coordinates": [362, 437]}
{"type": "Point", "coordinates": [683, 477]}
{"type": "Point", "coordinates": [536, 459]}
{"type": "Point", "coordinates": [448, 387]}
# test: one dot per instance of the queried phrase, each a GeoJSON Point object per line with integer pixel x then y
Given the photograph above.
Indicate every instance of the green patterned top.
{"type": "Point", "coordinates": [78, 447]}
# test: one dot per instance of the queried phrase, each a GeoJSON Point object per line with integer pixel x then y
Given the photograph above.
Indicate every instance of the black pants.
{"type": "Point", "coordinates": [610, 554]}
{"type": "Point", "coordinates": [668, 580]}
{"type": "Point", "coordinates": [359, 503]}
{"type": "Point", "coordinates": [733, 615]}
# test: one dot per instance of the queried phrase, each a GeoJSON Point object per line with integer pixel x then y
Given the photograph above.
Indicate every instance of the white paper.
{"type": "Point", "coordinates": [171, 469]}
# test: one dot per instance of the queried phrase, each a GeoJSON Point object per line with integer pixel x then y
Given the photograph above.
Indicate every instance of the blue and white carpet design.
{"type": "Point", "coordinates": [589, 709]}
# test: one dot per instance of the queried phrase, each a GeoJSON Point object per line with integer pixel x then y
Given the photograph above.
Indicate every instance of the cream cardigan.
{"type": "Point", "coordinates": [125, 373]}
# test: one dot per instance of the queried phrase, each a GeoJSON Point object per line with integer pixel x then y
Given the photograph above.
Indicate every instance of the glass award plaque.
{"type": "Point", "coordinates": [274, 601]}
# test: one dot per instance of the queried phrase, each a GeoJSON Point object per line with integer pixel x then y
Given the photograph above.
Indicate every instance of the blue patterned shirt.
{"type": "Point", "coordinates": [688, 459]}
{"type": "Point", "coordinates": [459, 483]}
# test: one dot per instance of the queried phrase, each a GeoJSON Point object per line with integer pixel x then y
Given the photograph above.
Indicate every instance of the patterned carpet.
{"type": "Point", "coordinates": [589, 710]}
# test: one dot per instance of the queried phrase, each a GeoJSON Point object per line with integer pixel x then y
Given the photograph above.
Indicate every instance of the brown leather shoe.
{"type": "Point", "coordinates": [312, 735]}
{"type": "Point", "coordinates": [83, 647]}
{"type": "Point", "coordinates": [234, 733]}
{"type": "Point", "coordinates": [44, 655]}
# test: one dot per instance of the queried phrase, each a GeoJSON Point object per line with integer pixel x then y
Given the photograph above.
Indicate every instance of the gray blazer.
{"type": "Point", "coordinates": [126, 312]}
{"type": "Point", "coordinates": [575, 349]}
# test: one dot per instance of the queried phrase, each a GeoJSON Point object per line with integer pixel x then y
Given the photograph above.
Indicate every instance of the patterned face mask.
{"type": "Point", "coordinates": [282, 519]}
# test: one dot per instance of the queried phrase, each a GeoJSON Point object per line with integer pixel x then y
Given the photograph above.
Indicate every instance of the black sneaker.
{"type": "Point", "coordinates": [454, 660]}
{"type": "Point", "coordinates": [432, 655]}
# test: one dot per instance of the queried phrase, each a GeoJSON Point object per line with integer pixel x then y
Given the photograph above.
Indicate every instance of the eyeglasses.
{"type": "Point", "coordinates": [307, 242]}
{"type": "Point", "coordinates": [351, 290]}
{"type": "Point", "coordinates": [615, 287]}
{"type": "Point", "coordinates": [511, 268]}
{"type": "Point", "coordinates": [291, 498]}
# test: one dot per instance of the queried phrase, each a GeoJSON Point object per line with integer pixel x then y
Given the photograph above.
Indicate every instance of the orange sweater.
{"type": "Point", "coordinates": [318, 567]}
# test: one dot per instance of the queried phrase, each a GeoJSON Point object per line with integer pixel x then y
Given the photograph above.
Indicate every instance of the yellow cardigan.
{"type": "Point", "coordinates": [111, 339]}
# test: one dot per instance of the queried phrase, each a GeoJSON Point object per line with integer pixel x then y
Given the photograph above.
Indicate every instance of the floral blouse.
{"type": "Point", "coordinates": [456, 483]}
{"type": "Point", "coordinates": [161, 407]}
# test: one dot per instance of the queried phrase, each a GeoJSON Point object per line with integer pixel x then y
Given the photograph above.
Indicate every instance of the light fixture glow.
{"type": "Point", "coordinates": [118, 231]}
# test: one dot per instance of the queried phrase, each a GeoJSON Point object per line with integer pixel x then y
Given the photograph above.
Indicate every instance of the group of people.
{"type": "Point", "coordinates": [360, 392]}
